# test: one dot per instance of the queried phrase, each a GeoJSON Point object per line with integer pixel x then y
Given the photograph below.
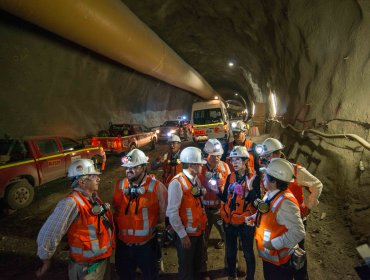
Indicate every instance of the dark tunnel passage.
{"type": "Point", "coordinates": [299, 71]}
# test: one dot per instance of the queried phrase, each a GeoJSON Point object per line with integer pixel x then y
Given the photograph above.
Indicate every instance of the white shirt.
{"type": "Point", "coordinates": [288, 215]}
{"type": "Point", "coordinates": [307, 180]}
{"type": "Point", "coordinates": [174, 202]}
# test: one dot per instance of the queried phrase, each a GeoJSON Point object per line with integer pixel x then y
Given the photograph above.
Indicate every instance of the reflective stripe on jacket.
{"type": "Point", "coordinates": [191, 211]}
{"type": "Point", "coordinates": [86, 244]}
{"type": "Point", "coordinates": [243, 208]}
{"type": "Point", "coordinates": [136, 218]}
{"type": "Point", "coordinates": [297, 190]}
{"type": "Point", "coordinates": [210, 199]}
{"type": "Point", "coordinates": [268, 229]}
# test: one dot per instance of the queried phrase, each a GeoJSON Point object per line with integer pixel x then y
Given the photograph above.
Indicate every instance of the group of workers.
{"type": "Point", "coordinates": [255, 196]}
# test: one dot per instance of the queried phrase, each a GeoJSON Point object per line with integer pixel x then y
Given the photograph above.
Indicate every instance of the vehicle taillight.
{"type": "Point", "coordinates": [118, 143]}
{"type": "Point", "coordinates": [225, 127]}
{"type": "Point", "coordinates": [192, 131]}
{"type": "Point", "coordinates": [94, 142]}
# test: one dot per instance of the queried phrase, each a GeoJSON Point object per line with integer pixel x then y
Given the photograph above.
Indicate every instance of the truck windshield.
{"type": "Point", "coordinates": [171, 123]}
{"type": "Point", "coordinates": [207, 116]}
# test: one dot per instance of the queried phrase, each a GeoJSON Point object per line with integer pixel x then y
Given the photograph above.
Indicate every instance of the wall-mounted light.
{"type": "Point", "coordinates": [231, 64]}
{"type": "Point", "coordinates": [274, 105]}
{"type": "Point", "coordinates": [216, 97]}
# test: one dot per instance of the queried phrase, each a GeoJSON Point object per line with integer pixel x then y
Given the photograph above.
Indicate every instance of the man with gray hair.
{"type": "Point", "coordinates": [88, 224]}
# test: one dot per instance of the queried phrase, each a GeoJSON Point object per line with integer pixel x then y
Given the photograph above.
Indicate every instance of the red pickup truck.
{"type": "Point", "coordinates": [121, 138]}
{"type": "Point", "coordinates": [33, 161]}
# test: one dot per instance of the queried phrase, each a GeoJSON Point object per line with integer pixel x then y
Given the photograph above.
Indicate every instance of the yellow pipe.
{"type": "Point", "coordinates": [108, 27]}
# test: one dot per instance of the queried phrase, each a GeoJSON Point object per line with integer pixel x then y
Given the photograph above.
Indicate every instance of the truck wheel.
{"type": "Point", "coordinates": [19, 194]}
{"type": "Point", "coordinates": [98, 162]}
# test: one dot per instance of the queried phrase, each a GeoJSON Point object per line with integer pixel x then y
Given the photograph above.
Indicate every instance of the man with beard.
{"type": "Point", "coordinates": [140, 203]}
{"type": "Point", "coordinates": [88, 224]}
{"type": "Point", "coordinates": [170, 161]}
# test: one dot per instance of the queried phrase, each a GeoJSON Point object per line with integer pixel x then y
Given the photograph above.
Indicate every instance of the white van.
{"type": "Point", "coordinates": [210, 120]}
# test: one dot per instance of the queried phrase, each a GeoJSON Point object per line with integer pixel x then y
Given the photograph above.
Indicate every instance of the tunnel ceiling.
{"type": "Point", "coordinates": [305, 51]}
{"type": "Point", "coordinates": [313, 54]}
{"type": "Point", "coordinates": [209, 35]}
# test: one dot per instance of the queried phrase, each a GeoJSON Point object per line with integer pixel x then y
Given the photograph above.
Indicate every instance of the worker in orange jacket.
{"type": "Point", "coordinates": [88, 224]}
{"type": "Point", "coordinates": [272, 148]}
{"type": "Point", "coordinates": [139, 202]}
{"type": "Point", "coordinates": [170, 161]}
{"type": "Point", "coordinates": [214, 174]}
{"type": "Point", "coordinates": [237, 197]}
{"type": "Point", "coordinates": [279, 226]}
{"type": "Point", "coordinates": [186, 213]}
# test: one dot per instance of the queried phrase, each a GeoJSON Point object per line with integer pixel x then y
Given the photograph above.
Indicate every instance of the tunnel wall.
{"type": "Point", "coordinates": [51, 86]}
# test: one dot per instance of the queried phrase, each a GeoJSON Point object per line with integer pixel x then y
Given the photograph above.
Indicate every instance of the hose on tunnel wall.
{"type": "Point", "coordinates": [352, 137]}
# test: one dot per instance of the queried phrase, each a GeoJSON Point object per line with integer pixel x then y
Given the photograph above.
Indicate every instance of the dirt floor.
{"type": "Point", "coordinates": [330, 246]}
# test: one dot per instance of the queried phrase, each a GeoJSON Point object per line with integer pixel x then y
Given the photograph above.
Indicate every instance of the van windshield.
{"type": "Point", "coordinates": [207, 116]}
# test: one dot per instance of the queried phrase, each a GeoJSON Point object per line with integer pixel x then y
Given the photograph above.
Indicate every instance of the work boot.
{"type": "Point", "coordinates": [220, 244]}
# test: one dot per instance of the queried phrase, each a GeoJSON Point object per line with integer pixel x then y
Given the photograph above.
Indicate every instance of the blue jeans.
{"type": "Point", "coordinates": [246, 235]}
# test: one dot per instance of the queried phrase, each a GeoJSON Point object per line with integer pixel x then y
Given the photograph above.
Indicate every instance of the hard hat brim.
{"type": "Point", "coordinates": [127, 165]}
{"type": "Point", "coordinates": [215, 153]}
{"type": "Point", "coordinates": [201, 162]}
{"type": "Point", "coordinates": [264, 170]}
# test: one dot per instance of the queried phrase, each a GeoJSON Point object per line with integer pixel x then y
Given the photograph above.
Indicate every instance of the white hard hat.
{"type": "Point", "coordinates": [134, 158]}
{"type": "Point", "coordinates": [191, 155]}
{"type": "Point", "coordinates": [271, 145]}
{"type": "Point", "coordinates": [213, 147]}
{"type": "Point", "coordinates": [239, 126]}
{"type": "Point", "coordinates": [174, 138]}
{"type": "Point", "coordinates": [280, 169]}
{"type": "Point", "coordinates": [82, 167]}
{"type": "Point", "coordinates": [239, 151]}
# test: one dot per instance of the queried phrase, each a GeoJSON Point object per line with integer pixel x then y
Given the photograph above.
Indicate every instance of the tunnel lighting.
{"type": "Point", "coordinates": [253, 109]}
{"type": "Point", "coordinates": [231, 64]}
{"type": "Point", "coordinates": [274, 105]}
{"type": "Point", "coordinates": [236, 94]}
{"type": "Point", "coordinates": [216, 97]}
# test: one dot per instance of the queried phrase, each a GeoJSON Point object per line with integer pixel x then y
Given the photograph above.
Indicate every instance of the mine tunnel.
{"type": "Point", "coordinates": [297, 71]}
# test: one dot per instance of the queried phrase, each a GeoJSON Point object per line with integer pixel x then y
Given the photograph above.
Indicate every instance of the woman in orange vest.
{"type": "Point", "coordinates": [237, 197]}
{"type": "Point", "coordinates": [139, 202]}
{"type": "Point", "coordinates": [279, 228]}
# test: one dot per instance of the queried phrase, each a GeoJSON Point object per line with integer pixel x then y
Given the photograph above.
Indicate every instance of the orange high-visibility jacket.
{"type": "Point", "coordinates": [243, 209]}
{"type": "Point", "coordinates": [248, 144]}
{"type": "Point", "coordinates": [86, 244]}
{"type": "Point", "coordinates": [210, 199]}
{"type": "Point", "coordinates": [170, 169]}
{"type": "Point", "coordinates": [268, 229]}
{"type": "Point", "coordinates": [136, 218]}
{"type": "Point", "coordinates": [191, 210]}
{"type": "Point", "coordinates": [297, 190]}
